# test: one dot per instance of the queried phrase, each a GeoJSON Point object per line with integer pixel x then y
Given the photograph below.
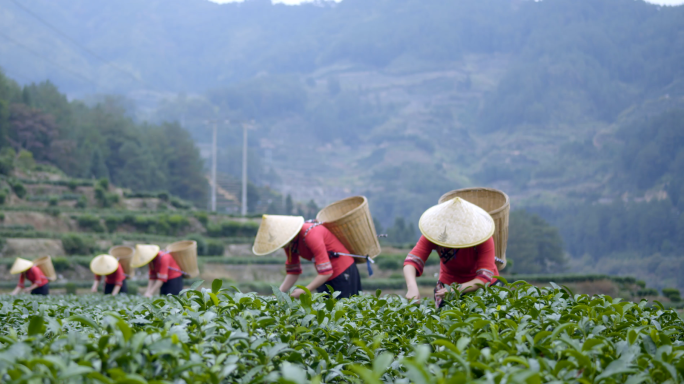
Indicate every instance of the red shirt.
{"type": "Point", "coordinates": [117, 277]}
{"type": "Point", "coordinates": [34, 275]}
{"type": "Point", "coordinates": [164, 267]}
{"type": "Point", "coordinates": [315, 248]}
{"type": "Point", "coordinates": [457, 265]}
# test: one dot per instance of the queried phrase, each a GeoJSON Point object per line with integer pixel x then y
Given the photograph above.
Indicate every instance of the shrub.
{"type": "Point", "coordinates": [71, 288]}
{"type": "Point", "coordinates": [641, 283]}
{"type": "Point", "coordinates": [72, 185]}
{"type": "Point", "coordinates": [103, 183]}
{"type": "Point", "coordinates": [163, 196]}
{"type": "Point", "coordinates": [390, 263]}
{"type": "Point", "coordinates": [75, 244]}
{"type": "Point", "coordinates": [53, 211]}
{"type": "Point", "coordinates": [647, 292]}
{"type": "Point", "coordinates": [112, 223]}
{"type": "Point", "coordinates": [180, 204]}
{"type": "Point", "coordinates": [177, 223]}
{"type": "Point", "coordinates": [673, 294]}
{"type": "Point", "coordinates": [7, 155]}
{"type": "Point", "coordinates": [53, 201]}
{"type": "Point", "coordinates": [202, 217]}
{"type": "Point", "coordinates": [215, 248]}
{"type": "Point", "coordinates": [3, 196]}
{"type": "Point", "coordinates": [231, 228]}
{"type": "Point", "coordinates": [25, 160]}
{"type": "Point", "coordinates": [18, 188]}
{"type": "Point", "coordinates": [90, 222]}
{"type": "Point", "coordinates": [2, 216]}
{"type": "Point", "coordinates": [132, 287]}
{"type": "Point", "coordinates": [61, 264]}
{"type": "Point", "coordinates": [82, 202]}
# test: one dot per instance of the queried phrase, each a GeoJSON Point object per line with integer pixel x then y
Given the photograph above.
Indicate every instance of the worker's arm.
{"type": "Point", "coordinates": [411, 283]}
{"type": "Point", "coordinates": [94, 288]}
{"type": "Point", "coordinates": [116, 290]}
{"type": "Point", "coordinates": [152, 287]}
{"type": "Point", "coordinates": [289, 281]}
{"type": "Point", "coordinates": [31, 288]}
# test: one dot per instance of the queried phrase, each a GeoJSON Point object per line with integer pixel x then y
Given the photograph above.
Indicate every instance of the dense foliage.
{"type": "Point", "coordinates": [95, 142]}
{"type": "Point", "coordinates": [516, 334]}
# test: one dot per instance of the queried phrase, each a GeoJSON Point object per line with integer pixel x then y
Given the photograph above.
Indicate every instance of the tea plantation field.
{"type": "Point", "coordinates": [513, 334]}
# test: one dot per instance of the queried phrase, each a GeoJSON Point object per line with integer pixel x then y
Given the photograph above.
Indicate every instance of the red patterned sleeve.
{"type": "Point", "coordinates": [315, 241]}
{"type": "Point", "coordinates": [98, 278]}
{"type": "Point", "coordinates": [292, 264]}
{"type": "Point", "coordinates": [119, 276]}
{"type": "Point", "coordinates": [485, 265]}
{"type": "Point", "coordinates": [419, 255]}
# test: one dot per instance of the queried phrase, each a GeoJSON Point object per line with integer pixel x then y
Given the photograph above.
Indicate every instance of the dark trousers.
{"type": "Point", "coordinates": [44, 290]}
{"type": "Point", "coordinates": [110, 287]}
{"type": "Point", "coordinates": [172, 287]}
{"type": "Point", "coordinates": [348, 282]}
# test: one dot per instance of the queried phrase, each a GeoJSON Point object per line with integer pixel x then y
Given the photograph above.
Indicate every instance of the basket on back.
{"type": "Point", "coordinates": [351, 222]}
{"type": "Point", "coordinates": [185, 254]}
{"type": "Point", "coordinates": [124, 254]}
{"type": "Point", "coordinates": [497, 204]}
{"type": "Point", "coordinates": [45, 265]}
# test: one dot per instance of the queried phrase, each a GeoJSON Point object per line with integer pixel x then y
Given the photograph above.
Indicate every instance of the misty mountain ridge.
{"type": "Point", "coordinates": [399, 100]}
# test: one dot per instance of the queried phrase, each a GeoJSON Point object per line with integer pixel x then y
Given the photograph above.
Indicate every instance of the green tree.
{"type": "Point", "coordinates": [533, 244]}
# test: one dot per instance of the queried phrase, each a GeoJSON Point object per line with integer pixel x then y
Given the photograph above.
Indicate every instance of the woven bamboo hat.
{"type": "Point", "coordinates": [144, 253]}
{"type": "Point", "coordinates": [275, 232]}
{"type": "Point", "coordinates": [20, 265]}
{"type": "Point", "coordinates": [456, 223]}
{"type": "Point", "coordinates": [104, 265]}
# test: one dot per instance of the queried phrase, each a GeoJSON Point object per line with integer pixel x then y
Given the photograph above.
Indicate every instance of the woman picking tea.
{"type": "Point", "coordinates": [461, 234]}
{"type": "Point", "coordinates": [311, 241]}
{"type": "Point", "coordinates": [29, 271]}
{"type": "Point", "coordinates": [115, 278]}
{"type": "Point", "coordinates": [164, 273]}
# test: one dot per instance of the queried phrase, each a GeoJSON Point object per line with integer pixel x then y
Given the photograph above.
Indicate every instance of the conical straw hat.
{"type": "Point", "coordinates": [104, 265]}
{"type": "Point", "coordinates": [275, 232]}
{"type": "Point", "coordinates": [20, 265]}
{"type": "Point", "coordinates": [144, 253]}
{"type": "Point", "coordinates": [456, 223]}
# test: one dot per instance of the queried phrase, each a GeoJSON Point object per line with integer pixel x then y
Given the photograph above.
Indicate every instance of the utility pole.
{"type": "Point", "coordinates": [213, 170]}
{"type": "Point", "coordinates": [245, 127]}
{"type": "Point", "coordinates": [214, 122]}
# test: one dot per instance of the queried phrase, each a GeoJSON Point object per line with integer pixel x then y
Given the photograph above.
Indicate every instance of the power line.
{"type": "Point", "coordinates": [67, 37]}
{"type": "Point", "coordinates": [76, 74]}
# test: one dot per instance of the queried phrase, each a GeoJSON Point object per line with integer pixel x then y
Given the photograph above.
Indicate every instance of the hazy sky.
{"type": "Point", "coordinates": [294, 2]}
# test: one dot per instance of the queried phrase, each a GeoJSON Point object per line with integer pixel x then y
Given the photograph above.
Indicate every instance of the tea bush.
{"type": "Point", "coordinates": [233, 229]}
{"type": "Point", "coordinates": [512, 334]}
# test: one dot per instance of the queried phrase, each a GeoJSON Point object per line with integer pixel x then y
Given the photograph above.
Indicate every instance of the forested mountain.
{"type": "Point", "coordinates": [96, 142]}
{"type": "Point", "coordinates": [573, 107]}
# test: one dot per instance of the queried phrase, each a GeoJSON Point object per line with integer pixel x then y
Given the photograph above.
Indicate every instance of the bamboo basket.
{"type": "Point", "coordinates": [185, 254]}
{"type": "Point", "coordinates": [351, 222]}
{"type": "Point", "coordinates": [45, 265]}
{"type": "Point", "coordinates": [497, 204]}
{"type": "Point", "coordinates": [124, 254]}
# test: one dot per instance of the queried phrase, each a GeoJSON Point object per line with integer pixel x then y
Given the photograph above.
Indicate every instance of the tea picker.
{"type": "Point", "coordinates": [164, 273]}
{"type": "Point", "coordinates": [115, 278]}
{"type": "Point", "coordinates": [461, 234]}
{"type": "Point", "coordinates": [310, 241]}
{"type": "Point", "coordinates": [167, 268]}
{"type": "Point", "coordinates": [28, 270]}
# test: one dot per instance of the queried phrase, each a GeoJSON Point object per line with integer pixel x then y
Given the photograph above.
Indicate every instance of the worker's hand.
{"type": "Point", "coordinates": [147, 294]}
{"type": "Point", "coordinates": [296, 293]}
{"type": "Point", "coordinates": [93, 290]}
{"type": "Point", "coordinates": [441, 292]}
{"type": "Point", "coordinates": [27, 290]}
{"type": "Point", "coordinates": [413, 293]}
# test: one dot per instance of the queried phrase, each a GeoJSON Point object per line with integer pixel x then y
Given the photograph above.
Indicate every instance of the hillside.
{"type": "Point", "coordinates": [553, 102]}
